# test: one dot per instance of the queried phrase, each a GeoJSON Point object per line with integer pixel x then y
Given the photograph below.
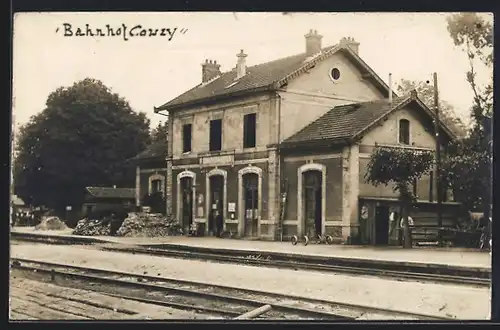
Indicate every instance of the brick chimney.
{"type": "Point", "coordinates": [313, 42]}
{"type": "Point", "coordinates": [351, 43]}
{"type": "Point", "coordinates": [209, 70]}
{"type": "Point", "coordinates": [241, 66]}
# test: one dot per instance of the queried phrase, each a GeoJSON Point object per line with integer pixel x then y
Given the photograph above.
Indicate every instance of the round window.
{"type": "Point", "coordinates": [335, 74]}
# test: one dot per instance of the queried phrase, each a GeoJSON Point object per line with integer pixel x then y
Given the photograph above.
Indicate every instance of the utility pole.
{"type": "Point", "coordinates": [437, 166]}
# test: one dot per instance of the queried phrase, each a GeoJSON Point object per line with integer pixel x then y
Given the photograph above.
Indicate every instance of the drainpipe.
{"type": "Point", "coordinates": [137, 186]}
{"type": "Point", "coordinates": [346, 216]}
{"type": "Point", "coordinates": [279, 118]}
{"type": "Point", "coordinates": [278, 166]}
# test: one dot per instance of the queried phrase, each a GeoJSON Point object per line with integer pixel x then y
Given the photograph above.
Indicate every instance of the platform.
{"type": "Point", "coordinates": [447, 257]}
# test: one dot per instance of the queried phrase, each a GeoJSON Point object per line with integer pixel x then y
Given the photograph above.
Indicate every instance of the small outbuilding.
{"type": "Point", "coordinates": [108, 199]}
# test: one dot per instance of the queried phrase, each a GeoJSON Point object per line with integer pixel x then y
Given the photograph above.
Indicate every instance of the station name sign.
{"type": "Point", "coordinates": [217, 160]}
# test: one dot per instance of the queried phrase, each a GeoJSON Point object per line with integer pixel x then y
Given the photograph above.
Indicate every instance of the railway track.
{"type": "Point", "coordinates": [255, 260]}
{"type": "Point", "coordinates": [61, 240]}
{"type": "Point", "coordinates": [437, 274]}
{"type": "Point", "coordinates": [215, 300]}
{"type": "Point", "coordinates": [335, 265]}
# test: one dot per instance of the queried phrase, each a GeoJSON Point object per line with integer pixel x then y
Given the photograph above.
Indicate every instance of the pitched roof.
{"type": "Point", "coordinates": [266, 76]}
{"type": "Point", "coordinates": [345, 122]}
{"type": "Point", "coordinates": [156, 150]}
{"type": "Point", "coordinates": [110, 192]}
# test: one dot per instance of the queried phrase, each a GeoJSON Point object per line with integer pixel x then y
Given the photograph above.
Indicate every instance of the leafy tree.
{"type": "Point", "coordinates": [401, 168]}
{"type": "Point", "coordinates": [425, 91]}
{"type": "Point", "coordinates": [474, 35]}
{"type": "Point", "coordinates": [80, 139]}
{"type": "Point", "coordinates": [470, 163]}
{"type": "Point", "coordinates": [160, 133]}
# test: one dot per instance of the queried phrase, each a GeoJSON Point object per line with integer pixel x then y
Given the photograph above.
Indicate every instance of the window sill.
{"type": "Point", "coordinates": [215, 153]}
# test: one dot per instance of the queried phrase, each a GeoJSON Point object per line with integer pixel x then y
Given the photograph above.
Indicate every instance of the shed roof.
{"type": "Point", "coordinates": [345, 122]}
{"type": "Point", "coordinates": [111, 192]}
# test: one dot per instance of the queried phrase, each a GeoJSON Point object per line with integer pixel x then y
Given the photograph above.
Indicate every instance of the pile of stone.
{"type": "Point", "coordinates": [140, 224]}
{"type": "Point", "coordinates": [51, 223]}
{"type": "Point", "coordinates": [93, 227]}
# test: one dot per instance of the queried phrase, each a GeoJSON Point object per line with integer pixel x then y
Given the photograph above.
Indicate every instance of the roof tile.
{"type": "Point", "coordinates": [257, 76]}
{"type": "Point", "coordinates": [345, 121]}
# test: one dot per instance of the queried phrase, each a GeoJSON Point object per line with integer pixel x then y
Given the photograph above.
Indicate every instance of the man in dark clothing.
{"type": "Point", "coordinates": [218, 224]}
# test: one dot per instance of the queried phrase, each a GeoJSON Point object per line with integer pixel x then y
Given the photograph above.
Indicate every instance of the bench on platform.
{"type": "Point", "coordinates": [428, 235]}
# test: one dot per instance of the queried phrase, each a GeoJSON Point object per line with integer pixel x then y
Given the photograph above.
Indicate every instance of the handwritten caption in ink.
{"type": "Point", "coordinates": [121, 31]}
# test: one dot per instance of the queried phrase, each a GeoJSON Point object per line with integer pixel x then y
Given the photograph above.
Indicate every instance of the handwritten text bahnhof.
{"type": "Point", "coordinates": [121, 31]}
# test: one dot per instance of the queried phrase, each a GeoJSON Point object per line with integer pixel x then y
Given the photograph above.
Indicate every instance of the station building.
{"type": "Point", "coordinates": [306, 125]}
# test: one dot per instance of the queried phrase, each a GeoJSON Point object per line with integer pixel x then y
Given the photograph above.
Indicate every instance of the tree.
{"type": "Point", "coordinates": [401, 168]}
{"type": "Point", "coordinates": [81, 138]}
{"type": "Point", "coordinates": [425, 91]}
{"type": "Point", "coordinates": [160, 133]}
{"type": "Point", "coordinates": [474, 35]}
{"type": "Point", "coordinates": [470, 165]}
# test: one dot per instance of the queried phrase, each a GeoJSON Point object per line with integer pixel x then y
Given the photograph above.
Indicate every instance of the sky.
{"type": "Point", "coordinates": [151, 70]}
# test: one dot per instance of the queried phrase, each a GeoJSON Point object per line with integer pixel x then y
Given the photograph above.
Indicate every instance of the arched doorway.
{"type": "Point", "coordinates": [186, 211]}
{"type": "Point", "coordinates": [216, 215]}
{"type": "Point", "coordinates": [250, 183]}
{"type": "Point", "coordinates": [312, 197]}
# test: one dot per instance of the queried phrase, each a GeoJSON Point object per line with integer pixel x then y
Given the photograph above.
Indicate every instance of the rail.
{"type": "Point", "coordinates": [301, 307]}
{"type": "Point", "coordinates": [404, 271]}
{"type": "Point", "coordinates": [310, 266]}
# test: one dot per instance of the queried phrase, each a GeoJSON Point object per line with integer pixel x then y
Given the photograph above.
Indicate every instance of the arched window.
{"type": "Point", "coordinates": [156, 186]}
{"type": "Point", "coordinates": [404, 131]}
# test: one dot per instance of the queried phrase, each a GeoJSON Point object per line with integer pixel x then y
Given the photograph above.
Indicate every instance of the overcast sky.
{"type": "Point", "coordinates": [149, 71]}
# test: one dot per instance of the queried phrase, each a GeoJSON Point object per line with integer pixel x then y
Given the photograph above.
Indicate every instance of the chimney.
{"type": "Point", "coordinates": [351, 43]}
{"type": "Point", "coordinates": [313, 42]}
{"type": "Point", "coordinates": [390, 87]}
{"type": "Point", "coordinates": [209, 70]}
{"type": "Point", "coordinates": [241, 66]}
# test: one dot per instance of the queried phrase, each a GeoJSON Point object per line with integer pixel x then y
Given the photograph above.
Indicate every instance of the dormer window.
{"type": "Point", "coordinates": [404, 131]}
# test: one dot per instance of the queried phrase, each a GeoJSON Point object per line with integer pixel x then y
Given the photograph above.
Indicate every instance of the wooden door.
{"type": "Point", "coordinates": [187, 203]}
{"type": "Point", "coordinates": [251, 211]}
{"type": "Point", "coordinates": [216, 203]}
{"type": "Point", "coordinates": [312, 203]}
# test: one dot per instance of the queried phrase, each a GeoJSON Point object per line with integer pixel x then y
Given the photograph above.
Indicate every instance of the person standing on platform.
{"type": "Point", "coordinates": [410, 225]}
{"type": "Point", "coordinates": [218, 223]}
